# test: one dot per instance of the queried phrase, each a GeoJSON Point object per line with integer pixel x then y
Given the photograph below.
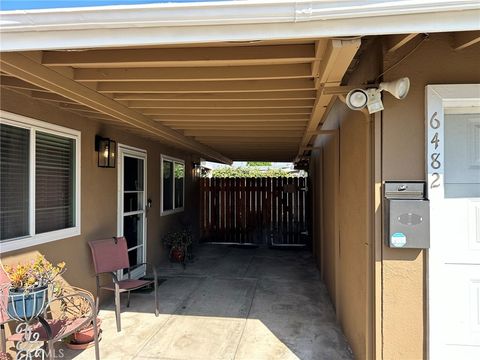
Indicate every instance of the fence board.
{"type": "Point", "coordinates": [253, 210]}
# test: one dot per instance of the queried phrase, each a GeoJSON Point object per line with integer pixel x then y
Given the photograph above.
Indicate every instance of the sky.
{"type": "Point", "coordinates": [52, 4]}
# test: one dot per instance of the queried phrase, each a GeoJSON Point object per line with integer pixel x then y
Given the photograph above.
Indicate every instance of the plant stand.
{"type": "Point", "coordinates": [29, 347]}
{"type": "Point", "coordinates": [26, 309]}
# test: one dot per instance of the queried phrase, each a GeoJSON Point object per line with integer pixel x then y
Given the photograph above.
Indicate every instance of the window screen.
{"type": "Point", "coordinates": [14, 181]}
{"type": "Point", "coordinates": [179, 179]}
{"type": "Point", "coordinates": [167, 185]}
{"type": "Point", "coordinates": [173, 184]}
{"type": "Point", "coordinates": [54, 182]}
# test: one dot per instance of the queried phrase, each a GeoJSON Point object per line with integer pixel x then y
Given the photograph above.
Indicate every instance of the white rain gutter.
{"type": "Point", "coordinates": [175, 23]}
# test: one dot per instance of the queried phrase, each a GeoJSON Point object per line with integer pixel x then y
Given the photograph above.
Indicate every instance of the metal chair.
{"type": "Point", "coordinates": [111, 256]}
{"type": "Point", "coordinates": [71, 311]}
{"type": "Point", "coordinates": [4, 318]}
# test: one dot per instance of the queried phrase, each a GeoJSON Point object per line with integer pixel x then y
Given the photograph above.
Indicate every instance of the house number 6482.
{"type": "Point", "coordinates": [435, 140]}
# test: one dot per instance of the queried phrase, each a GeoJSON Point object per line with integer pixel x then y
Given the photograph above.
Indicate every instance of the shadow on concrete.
{"type": "Point", "coordinates": [229, 303]}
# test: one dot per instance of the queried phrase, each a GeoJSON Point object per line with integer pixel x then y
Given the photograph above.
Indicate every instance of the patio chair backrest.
{"type": "Point", "coordinates": [4, 287]}
{"type": "Point", "coordinates": [109, 255]}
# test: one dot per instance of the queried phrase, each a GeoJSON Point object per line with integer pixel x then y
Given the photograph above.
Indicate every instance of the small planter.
{"type": "Point", "coordinates": [86, 335]}
{"type": "Point", "coordinates": [177, 255]}
{"type": "Point", "coordinates": [84, 338]}
{"type": "Point", "coordinates": [25, 306]}
{"type": "Point", "coordinates": [178, 242]}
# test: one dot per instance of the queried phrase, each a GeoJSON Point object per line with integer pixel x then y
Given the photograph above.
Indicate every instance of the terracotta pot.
{"type": "Point", "coordinates": [86, 335]}
{"type": "Point", "coordinates": [177, 255]}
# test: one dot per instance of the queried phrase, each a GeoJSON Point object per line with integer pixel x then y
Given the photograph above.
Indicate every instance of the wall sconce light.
{"type": "Point", "coordinates": [197, 169]}
{"type": "Point", "coordinates": [106, 150]}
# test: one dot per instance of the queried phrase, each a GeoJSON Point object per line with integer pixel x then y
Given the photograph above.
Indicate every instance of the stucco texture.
{"type": "Point", "coordinates": [363, 271]}
{"type": "Point", "coordinates": [403, 138]}
{"type": "Point", "coordinates": [99, 192]}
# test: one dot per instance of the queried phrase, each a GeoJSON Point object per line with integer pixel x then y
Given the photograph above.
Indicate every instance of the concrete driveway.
{"type": "Point", "coordinates": [230, 303]}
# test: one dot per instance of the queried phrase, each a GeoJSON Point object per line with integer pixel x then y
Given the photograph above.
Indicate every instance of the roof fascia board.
{"type": "Point", "coordinates": [135, 36]}
{"type": "Point", "coordinates": [164, 24]}
{"type": "Point", "coordinates": [219, 13]}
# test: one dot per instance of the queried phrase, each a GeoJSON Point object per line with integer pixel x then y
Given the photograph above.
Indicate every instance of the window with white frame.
{"type": "Point", "coordinates": [172, 184]}
{"type": "Point", "coordinates": [39, 182]}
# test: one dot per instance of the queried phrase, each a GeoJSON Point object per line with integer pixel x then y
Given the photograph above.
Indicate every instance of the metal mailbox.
{"type": "Point", "coordinates": [407, 215]}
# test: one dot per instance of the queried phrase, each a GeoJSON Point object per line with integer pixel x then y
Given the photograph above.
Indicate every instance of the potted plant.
{"type": "Point", "coordinates": [178, 242]}
{"type": "Point", "coordinates": [78, 307]}
{"type": "Point", "coordinates": [29, 286]}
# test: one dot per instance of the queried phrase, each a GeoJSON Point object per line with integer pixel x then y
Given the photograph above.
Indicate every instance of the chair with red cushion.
{"type": "Point", "coordinates": [111, 256]}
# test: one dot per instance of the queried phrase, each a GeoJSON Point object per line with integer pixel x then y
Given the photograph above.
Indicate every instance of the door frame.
{"type": "Point", "coordinates": [138, 153]}
{"type": "Point", "coordinates": [437, 99]}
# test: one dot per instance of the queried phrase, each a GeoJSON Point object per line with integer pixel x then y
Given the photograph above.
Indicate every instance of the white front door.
{"type": "Point", "coordinates": [132, 187]}
{"type": "Point", "coordinates": [453, 166]}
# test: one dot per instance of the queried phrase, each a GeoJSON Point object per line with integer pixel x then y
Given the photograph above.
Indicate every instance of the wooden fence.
{"type": "Point", "coordinates": [254, 210]}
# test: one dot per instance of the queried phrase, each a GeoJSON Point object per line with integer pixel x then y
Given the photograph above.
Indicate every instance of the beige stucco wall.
{"type": "Point", "coordinates": [364, 268]}
{"type": "Point", "coordinates": [343, 162]}
{"type": "Point", "coordinates": [99, 192]}
{"type": "Point", "coordinates": [344, 233]}
{"type": "Point", "coordinates": [329, 217]}
{"type": "Point", "coordinates": [353, 236]}
{"type": "Point", "coordinates": [404, 286]}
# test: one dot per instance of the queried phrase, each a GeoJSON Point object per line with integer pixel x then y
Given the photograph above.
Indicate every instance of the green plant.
{"type": "Point", "coordinates": [259, 163]}
{"type": "Point", "coordinates": [38, 272]}
{"type": "Point", "coordinates": [178, 240]}
{"type": "Point", "coordinates": [249, 172]}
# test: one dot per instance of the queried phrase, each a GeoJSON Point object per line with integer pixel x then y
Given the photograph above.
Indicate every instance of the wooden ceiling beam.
{"type": "Point", "coordinates": [253, 150]}
{"type": "Point", "coordinates": [235, 140]}
{"type": "Point", "coordinates": [205, 86]}
{"type": "Point", "coordinates": [395, 42]}
{"type": "Point", "coordinates": [464, 39]}
{"type": "Point", "coordinates": [262, 134]}
{"type": "Point", "coordinates": [244, 147]}
{"type": "Point", "coordinates": [227, 118]}
{"type": "Point", "coordinates": [320, 47]}
{"type": "Point", "coordinates": [265, 154]}
{"type": "Point", "coordinates": [267, 104]}
{"type": "Point", "coordinates": [219, 96]}
{"type": "Point", "coordinates": [100, 117]}
{"type": "Point", "coordinates": [255, 72]}
{"type": "Point", "coordinates": [41, 76]}
{"type": "Point", "coordinates": [182, 57]}
{"type": "Point", "coordinates": [338, 90]}
{"type": "Point", "coordinates": [222, 112]}
{"type": "Point", "coordinates": [15, 83]}
{"type": "Point", "coordinates": [80, 108]}
{"type": "Point", "coordinates": [338, 56]}
{"type": "Point", "coordinates": [226, 126]}
{"type": "Point", "coordinates": [48, 96]}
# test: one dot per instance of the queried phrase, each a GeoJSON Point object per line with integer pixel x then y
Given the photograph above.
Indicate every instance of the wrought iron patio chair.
{"type": "Point", "coordinates": [72, 310]}
{"type": "Point", "coordinates": [111, 256]}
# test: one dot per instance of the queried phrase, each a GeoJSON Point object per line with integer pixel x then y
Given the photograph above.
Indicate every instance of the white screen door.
{"type": "Point", "coordinates": [132, 188]}
{"type": "Point", "coordinates": [453, 167]}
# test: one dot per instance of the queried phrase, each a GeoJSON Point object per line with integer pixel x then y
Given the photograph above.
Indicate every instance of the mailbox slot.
{"type": "Point", "coordinates": [407, 215]}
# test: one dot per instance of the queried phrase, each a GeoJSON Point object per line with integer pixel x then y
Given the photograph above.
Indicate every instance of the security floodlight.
{"type": "Point", "coordinates": [398, 88]}
{"type": "Point", "coordinates": [358, 99]}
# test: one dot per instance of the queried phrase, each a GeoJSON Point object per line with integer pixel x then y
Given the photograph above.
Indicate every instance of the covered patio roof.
{"type": "Point", "coordinates": [233, 80]}
{"type": "Point", "coordinates": [248, 101]}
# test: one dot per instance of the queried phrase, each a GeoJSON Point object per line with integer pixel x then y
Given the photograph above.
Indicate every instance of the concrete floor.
{"type": "Point", "coordinates": [230, 303]}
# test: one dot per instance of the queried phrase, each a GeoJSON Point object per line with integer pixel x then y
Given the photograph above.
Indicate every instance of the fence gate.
{"type": "Point", "coordinates": [269, 211]}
